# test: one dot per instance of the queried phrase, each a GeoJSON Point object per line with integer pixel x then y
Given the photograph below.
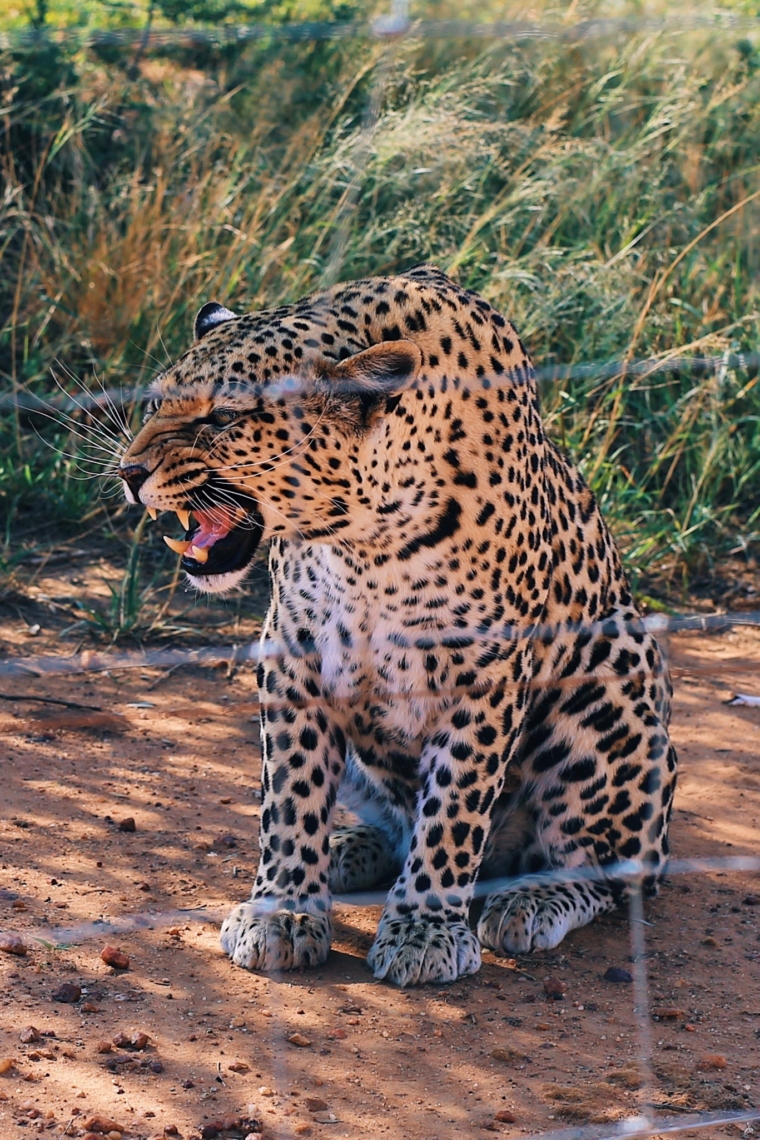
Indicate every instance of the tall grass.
{"type": "Point", "coordinates": [603, 194]}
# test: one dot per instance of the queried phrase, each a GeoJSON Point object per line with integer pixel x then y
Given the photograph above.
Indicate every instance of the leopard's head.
{"type": "Point", "coordinates": [256, 432]}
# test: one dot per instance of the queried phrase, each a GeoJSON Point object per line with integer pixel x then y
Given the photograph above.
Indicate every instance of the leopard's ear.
{"type": "Point", "coordinates": [377, 375]}
{"type": "Point", "coordinates": [209, 317]}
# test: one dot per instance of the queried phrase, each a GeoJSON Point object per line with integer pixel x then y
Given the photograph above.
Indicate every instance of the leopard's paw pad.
{"type": "Point", "coordinates": [417, 949]}
{"type": "Point", "coordinates": [279, 940]}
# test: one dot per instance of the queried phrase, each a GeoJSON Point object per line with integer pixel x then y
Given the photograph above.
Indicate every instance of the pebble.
{"type": "Point", "coordinates": [507, 1054]}
{"type": "Point", "coordinates": [13, 944]}
{"type": "Point", "coordinates": [6, 1064]}
{"type": "Point", "coordinates": [104, 1047]}
{"type": "Point", "coordinates": [712, 1061]}
{"type": "Point", "coordinates": [28, 1035]}
{"type": "Point", "coordinates": [504, 1116]}
{"type": "Point", "coordinates": [751, 900]}
{"type": "Point", "coordinates": [299, 1040]}
{"type": "Point", "coordinates": [127, 824]}
{"type": "Point", "coordinates": [617, 974]}
{"type": "Point", "coordinates": [103, 1125]}
{"type": "Point", "coordinates": [137, 1041]}
{"type": "Point", "coordinates": [325, 1118]}
{"type": "Point", "coordinates": [337, 1035]}
{"type": "Point", "coordinates": [667, 1012]}
{"type": "Point", "coordinates": [315, 1104]}
{"type": "Point", "coordinates": [68, 993]}
{"type": "Point", "coordinates": [89, 1007]}
{"type": "Point", "coordinates": [239, 1067]}
{"type": "Point", "coordinates": [302, 1129]}
{"type": "Point", "coordinates": [227, 1123]}
{"type": "Point", "coordinates": [115, 958]}
{"type": "Point", "coordinates": [554, 987]}
{"type": "Point", "coordinates": [265, 1090]}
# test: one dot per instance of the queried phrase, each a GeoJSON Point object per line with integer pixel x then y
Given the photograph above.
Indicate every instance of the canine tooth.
{"type": "Point", "coordinates": [184, 518]}
{"type": "Point", "coordinates": [176, 544]}
{"type": "Point", "coordinates": [153, 513]}
{"type": "Point", "coordinates": [199, 553]}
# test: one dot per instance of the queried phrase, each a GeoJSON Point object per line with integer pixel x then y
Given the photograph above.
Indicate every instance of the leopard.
{"type": "Point", "coordinates": [451, 651]}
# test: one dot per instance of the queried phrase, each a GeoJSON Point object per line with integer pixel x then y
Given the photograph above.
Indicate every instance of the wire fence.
{"type": "Point", "coordinates": [392, 25]}
{"type": "Point", "coordinates": [647, 1122]}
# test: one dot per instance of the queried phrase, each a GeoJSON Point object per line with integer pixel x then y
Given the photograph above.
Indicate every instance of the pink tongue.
{"type": "Point", "coordinates": [213, 525]}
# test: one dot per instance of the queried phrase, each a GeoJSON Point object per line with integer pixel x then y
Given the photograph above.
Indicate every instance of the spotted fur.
{"type": "Point", "coordinates": [460, 657]}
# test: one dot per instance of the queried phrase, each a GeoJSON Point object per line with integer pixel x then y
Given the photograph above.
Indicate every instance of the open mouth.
{"type": "Point", "coordinates": [218, 540]}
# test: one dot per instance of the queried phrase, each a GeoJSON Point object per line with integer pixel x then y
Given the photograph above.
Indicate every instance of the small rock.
{"type": "Point", "coordinates": [89, 1007]}
{"type": "Point", "coordinates": [6, 1064]}
{"type": "Point", "coordinates": [299, 1040]}
{"type": "Point", "coordinates": [136, 1041]}
{"type": "Point", "coordinates": [127, 824]}
{"type": "Point", "coordinates": [170, 1129]}
{"type": "Point", "coordinates": [712, 1061]}
{"type": "Point", "coordinates": [226, 1123]}
{"type": "Point", "coordinates": [115, 958]}
{"type": "Point", "coordinates": [667, 1012]}
{"type": "Point", "coordinates": [325, 1118]}
{"type": "Point", "coordinates": [315, 1104]}
{"type": "Point", "coordinates": [68, 993]}
{"type": "Point", "coordinates": [28, 1035]}
{"type": "Point", "coordinates": [227, 840]}
{"type": "Point", "coordinates": [156, 1066]}
{"type": "Point", "coordinates": [337, 1035]}
{"type": "Point", "coordinates": [237, 1023]}
{"type": "Point", "coordinates": [265, 1090]}
{"type": "Point", "coordinates": [239, 1067]}
{"type": "Point", "coordinates": [104, 1047]}
{"type": "Point", "coordinates": [710, 942]}
{"type": "Point", "coordinates": [751, 900]}
{"type": "Point", "coordinates": [507, 1054]}
{"type": "Point", "coordinates": [13, 944]}
{"type": "Point", "coordinates": [302, 1129]}
{"type": "Point", "coordinates": [102, 1125]}
{"type": "Point", "coordinates": [617, 974]}
{"type": "Point", "coordinates": [188, 1084]}
{"type": "Point", "coordinates": [554, 987]}
{"type": "Point", "coordinates": [504, 1116]}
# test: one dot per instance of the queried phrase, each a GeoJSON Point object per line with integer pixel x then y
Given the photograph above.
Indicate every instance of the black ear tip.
{"type": "Point", "coordinates": [211, 315]}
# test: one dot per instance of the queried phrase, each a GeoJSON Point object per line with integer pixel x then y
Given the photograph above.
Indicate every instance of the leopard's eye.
{"type": "Point", "coordinates": [152, 407]}
{"type": "Point", "coordinates": [221, 417]}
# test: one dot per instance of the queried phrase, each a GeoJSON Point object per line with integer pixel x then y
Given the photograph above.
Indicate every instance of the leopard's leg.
{"type": "Point", "coordinates": [598, 776]}
{"type": "Point", "coordinates": [424, 933]}
{"type": "Point", "coordinates": [287, 923]}
{"type": "Point", "coordinates": [372, 851]}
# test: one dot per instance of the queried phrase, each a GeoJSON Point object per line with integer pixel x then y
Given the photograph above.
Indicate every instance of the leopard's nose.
{"type": "Point", "coordinates": [134, 476]}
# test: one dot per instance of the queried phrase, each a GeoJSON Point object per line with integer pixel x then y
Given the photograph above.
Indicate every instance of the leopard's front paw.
{"type": "Point", "coordinates": [281, 940]}
{"type": "Point", "coordinates": [522, 921]}
{"type": "Point", "coordinates": [410, 951]}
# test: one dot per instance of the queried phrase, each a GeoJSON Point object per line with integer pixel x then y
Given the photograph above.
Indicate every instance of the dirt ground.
{"type": "Point", "coordinates": [177, 753]}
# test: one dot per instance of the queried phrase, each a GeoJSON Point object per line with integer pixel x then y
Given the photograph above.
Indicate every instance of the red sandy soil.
{"type": "Point", "coordinates": [178, 753]}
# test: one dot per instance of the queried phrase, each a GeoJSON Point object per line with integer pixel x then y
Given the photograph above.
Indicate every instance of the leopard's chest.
{"type": "Point", "coordinates": [379, 639]}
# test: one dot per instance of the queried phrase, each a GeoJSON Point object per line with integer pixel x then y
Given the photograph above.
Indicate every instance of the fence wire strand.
{"type": "Point", "coordinates": [393, 26]}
